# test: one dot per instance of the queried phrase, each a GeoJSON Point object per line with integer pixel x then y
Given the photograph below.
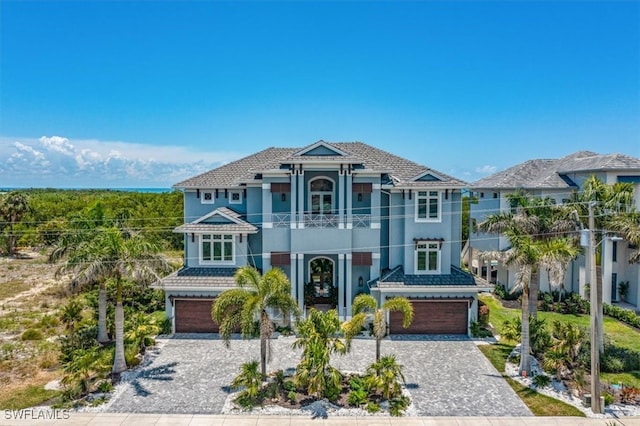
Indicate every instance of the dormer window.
{"type": "Point", "coordinates": [207, 197]}
{"type": "Point", "coordinates": [235, 197]}
{"type": "Point", "coordinates": [427, 257]}
{"type": "Point", "coordinates": [216, 248]}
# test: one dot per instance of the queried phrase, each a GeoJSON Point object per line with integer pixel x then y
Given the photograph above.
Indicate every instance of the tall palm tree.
{"type": "Point", "coordinates": [12, 209]}
{"type": "Point", "coordinates": [611, 201]}
{"type": "Point", "coordinates": [255, 295]}
{"type": "Point", "coordinates": [109, 255]}
{"type": "Point", "coordinates": [536, 217]}
{"type": "Point", "coordinates": [80, 232]}
{"type": "Point", "coordinates": [365, 307]}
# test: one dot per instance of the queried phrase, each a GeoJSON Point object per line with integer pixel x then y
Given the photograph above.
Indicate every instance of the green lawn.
{"type": "Point", "coordinates": [619, 333]}
{"type": "Point", "coordinates": [27, 397]}
{"type": "Point", "coordinates": [539, 404]}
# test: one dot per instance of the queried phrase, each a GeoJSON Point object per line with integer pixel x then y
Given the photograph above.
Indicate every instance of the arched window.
{"type": "Point", "coordinates": [321, 196]}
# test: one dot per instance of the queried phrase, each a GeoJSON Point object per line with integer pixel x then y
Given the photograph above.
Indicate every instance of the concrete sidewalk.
{"type": "Point", "coordinates": [77, 419]}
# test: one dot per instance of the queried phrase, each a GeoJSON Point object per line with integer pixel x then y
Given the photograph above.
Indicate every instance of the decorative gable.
{"type": "Point", "coordinates": [320, 149]}
{"type": "Point", "coordinates": [222, 215]}
{"type": "Point", "coordinates": [427, 177]}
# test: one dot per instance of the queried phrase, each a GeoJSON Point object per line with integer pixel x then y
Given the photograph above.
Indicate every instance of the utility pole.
{"type": "Point", "coordinates": [595, 312]}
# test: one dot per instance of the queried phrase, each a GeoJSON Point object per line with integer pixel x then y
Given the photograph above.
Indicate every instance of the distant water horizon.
{"type": "Point", "coordinates": [131, 189]}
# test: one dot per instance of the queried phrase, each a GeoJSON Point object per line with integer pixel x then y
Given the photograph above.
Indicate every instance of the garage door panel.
{"type": "Point", "coordinates": [194, 316]}
{"type": "Point", "coordinates": [432, 317]}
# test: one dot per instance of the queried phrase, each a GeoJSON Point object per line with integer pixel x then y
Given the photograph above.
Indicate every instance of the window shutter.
{"type": "Point", "coordinates": [280, 258]}
{"type": "Point", "coordinates": [361, 258]}
{"type": "Point", "coordinates": [281, 187]}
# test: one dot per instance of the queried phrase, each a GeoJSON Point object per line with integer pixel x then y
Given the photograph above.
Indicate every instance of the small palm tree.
{"type": "Point", "coordinates": [250, 379]}
{"type": "Point", "coordinates": [385, 376]}
{"type": "Point", "coordinates": [317, 336]}
{"type": "Point", "coordinates": [365, 307]}
{"type": "Point", "coordinates": [242, 306]}
{"type": "Point", "coordinates": [71, 314]}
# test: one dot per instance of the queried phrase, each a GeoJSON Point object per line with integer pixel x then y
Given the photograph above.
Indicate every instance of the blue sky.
{"type": "Point", "coordinates": [125, 94]}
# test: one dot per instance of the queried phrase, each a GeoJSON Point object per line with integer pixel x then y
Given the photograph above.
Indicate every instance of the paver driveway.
{"type": "Point", "coordinates": [190, 374]}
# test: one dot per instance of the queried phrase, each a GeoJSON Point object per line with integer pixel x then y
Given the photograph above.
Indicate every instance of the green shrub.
{"type": "Point", "coordinates": [131, 355]}
{"type": "Point", "coordinates": [397, 406]}
{"type": "Point", "coordinates": [166, 326]}
{"type": "Point", "coordinates": [357, 397]}
{"type": "Point", "coordinates": [625, 315]}
{"type": "Point", "coordinates": [105, 386]}
{"type": "Point", "coordinates": [289, 386]}
{"type": "Point", "coordinates": [372, 407]}
{"type": "Point", "coordinates": [612, 364]}
{"type": "Point", "coordinates": [541, 380]}
{"type": "Point", "coordinates": [292, 395]}
{"type": "Point", "coordinates": [32, 334]}
{"type": "Point", "coordinates": [608, 398]}
{"type": "Point", "coordinates": [48, 321]}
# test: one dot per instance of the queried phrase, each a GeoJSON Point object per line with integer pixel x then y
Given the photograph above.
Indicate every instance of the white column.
{"type": "Point", "coordinates": [267, 207]}
{"type": "Point", "coordinates": [374, 269]}
{"type": "Point", "coordinates": [341, 285]}
{"type": "Point", "coordinates": [341, 202]}
{"type": "Point", "coordinates": [349, 285]}
{"type": "Point", "coordinates": [295, 287]}
{"type": "Point", "coordinates": [266, 262]}
{"type": "Point", "coordinates": [375, 206]}
{"type": "Point", "coordinates": [301, 280]}
{"type": "Point", "coordinates": [349, 189]}
{"type": "Point", "coordinates": [301, 197]}
{"type": "Point", "coordinates": [607, 269]}
{"type": "Point", "coordinates": [294, 203]}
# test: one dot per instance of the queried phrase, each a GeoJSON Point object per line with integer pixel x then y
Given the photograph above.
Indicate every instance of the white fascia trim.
{"type": "Point", "coordinates": [181, 289]}
{"type": "Point", "coordinates": [340, 225]}
{"type": "Point", "coordinates": [267, 225]}
{"type": "Point", "coordinates": [376, 186]}
{"type": "Point", "coordinates": [349, 225]}
{"type": "Point", "coordinates": [431, 289]}
{"type": "Point", "coordinates": [375, 225]}
{"type": "Point", "coordinates": [266, 255]}
{"type": "Point", "coordinates": [266, 185]}
{"type": "Point", "coordinates": [375, 255]}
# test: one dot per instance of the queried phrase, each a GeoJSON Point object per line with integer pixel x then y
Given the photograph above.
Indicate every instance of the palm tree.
{"type": "Point", "coordinates": [80, 233]}
{"type": "Point", "coordinates": [385, 376]}
{"type": "Point", "coordinates": [317, 336]}
{"type": "Point", "coordinates": [110, 256]}
{"type": "Point", "coordinates": [365, 307]}
{"type": "Point", "coordinates": [250, 379]}
{"type": "Point", "coordinates": [537, 217]}
{"type": "Point", "coordinates": [71, 314]}
{"type": "Point", "coordinates": [628, 225]}
{"type": "Point", "coordinates": [242, 306]}
{"type": "Point", "coordinates": [12, 209]}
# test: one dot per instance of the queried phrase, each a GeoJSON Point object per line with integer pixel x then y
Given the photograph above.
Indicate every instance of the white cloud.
{"type": "Point", "coordinates": [486, 169]}
{"type": "Point", "coordinates": [56, 161]}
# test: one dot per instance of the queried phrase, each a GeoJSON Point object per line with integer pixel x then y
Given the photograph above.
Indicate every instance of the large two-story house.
{"type": "Point", "coordinates": [558, 179]}
{"type": "Point", "coordinates": [339, 219]}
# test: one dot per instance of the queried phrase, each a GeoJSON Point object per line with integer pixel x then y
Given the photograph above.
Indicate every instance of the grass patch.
{"type": "Point", "coordinates": [27, 397]}
{"type": "Point", "coordinates": [497, 354]}
{"type": "Point", "coordinates": [539, 404]}
{"type": "Point", "coordinates": [543, 405]}
{"type": "Point", "coordinates": [631, 378]}
{"type": "Point", "coordinates": [619, 333]}
{"type": "Point", "coordinates": [12, 288]}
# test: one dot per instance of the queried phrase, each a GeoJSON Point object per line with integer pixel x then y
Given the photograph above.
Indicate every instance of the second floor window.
{"type": "Point", "coordinates": [427, 258]}
{"type": "Point", "coordinates": [217, 248]}
{"type": "Point", "coordinates": [321, 196]}
{"type": "Point", "coordinates": [428, 206]}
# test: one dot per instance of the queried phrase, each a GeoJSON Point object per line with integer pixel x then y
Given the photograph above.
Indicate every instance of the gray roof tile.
{"type": "Point", "coordinates": [457, 278]}
{"type": "Point", "coordinates": [190, 277]}
{"type": "Point", "coordinates": [245, 169]}
{"type": "Point", "coordinates": [549, 173]}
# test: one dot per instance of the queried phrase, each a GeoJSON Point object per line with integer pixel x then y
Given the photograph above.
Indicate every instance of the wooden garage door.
{"type": "Point", "coordinates": [194, 316]}
{"type": "Point", "coordinates": [431, 317]}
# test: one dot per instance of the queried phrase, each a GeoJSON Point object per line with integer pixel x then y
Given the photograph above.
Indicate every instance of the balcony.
{"type": "Point", "coordinates": [320, 220]}
{"type": "Point", "coordinates": [361, 220]}
{"type": "Point", "coordinates": [283, 220]}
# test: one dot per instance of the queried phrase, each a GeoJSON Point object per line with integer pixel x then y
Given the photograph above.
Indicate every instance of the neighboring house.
{"type": "Point", "coordinates": [339, 219]}
{"type": "Point", "coordinates": [558, 179]}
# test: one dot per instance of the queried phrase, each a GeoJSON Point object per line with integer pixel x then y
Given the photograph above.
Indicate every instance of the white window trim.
{"type": "Point", "coordinates": [427, 250]}
{"type": "Point", "coordinates": [217, 262]}
{"type": "Point", "coordinates": [321, 193]}
{"type": "Point", "coordinates": [213, 197]}
{"type": "Point", "coordinates": [231, 201]}
{"type": "Point", "coordinates": [427, 219]}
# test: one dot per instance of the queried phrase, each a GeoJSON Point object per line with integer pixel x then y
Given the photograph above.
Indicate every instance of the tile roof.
{"type": "Point", "coordinates": [188, 277]}
{"type": "Point", "coordinates": [457, 278]}
{"type": "Point", "coordinates": [550, 173]}
{"type": "Point", "coordinates": [215, 228]}
{"type": "Point", "coordinates": [245, 169]}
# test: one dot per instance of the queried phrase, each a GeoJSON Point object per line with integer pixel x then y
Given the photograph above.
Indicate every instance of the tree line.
{"type": "Point", "coordinates": [41, 218]}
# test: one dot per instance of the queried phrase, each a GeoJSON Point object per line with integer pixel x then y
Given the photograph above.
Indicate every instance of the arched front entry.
{"type": "Point", "coordinates": [322, 271]}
